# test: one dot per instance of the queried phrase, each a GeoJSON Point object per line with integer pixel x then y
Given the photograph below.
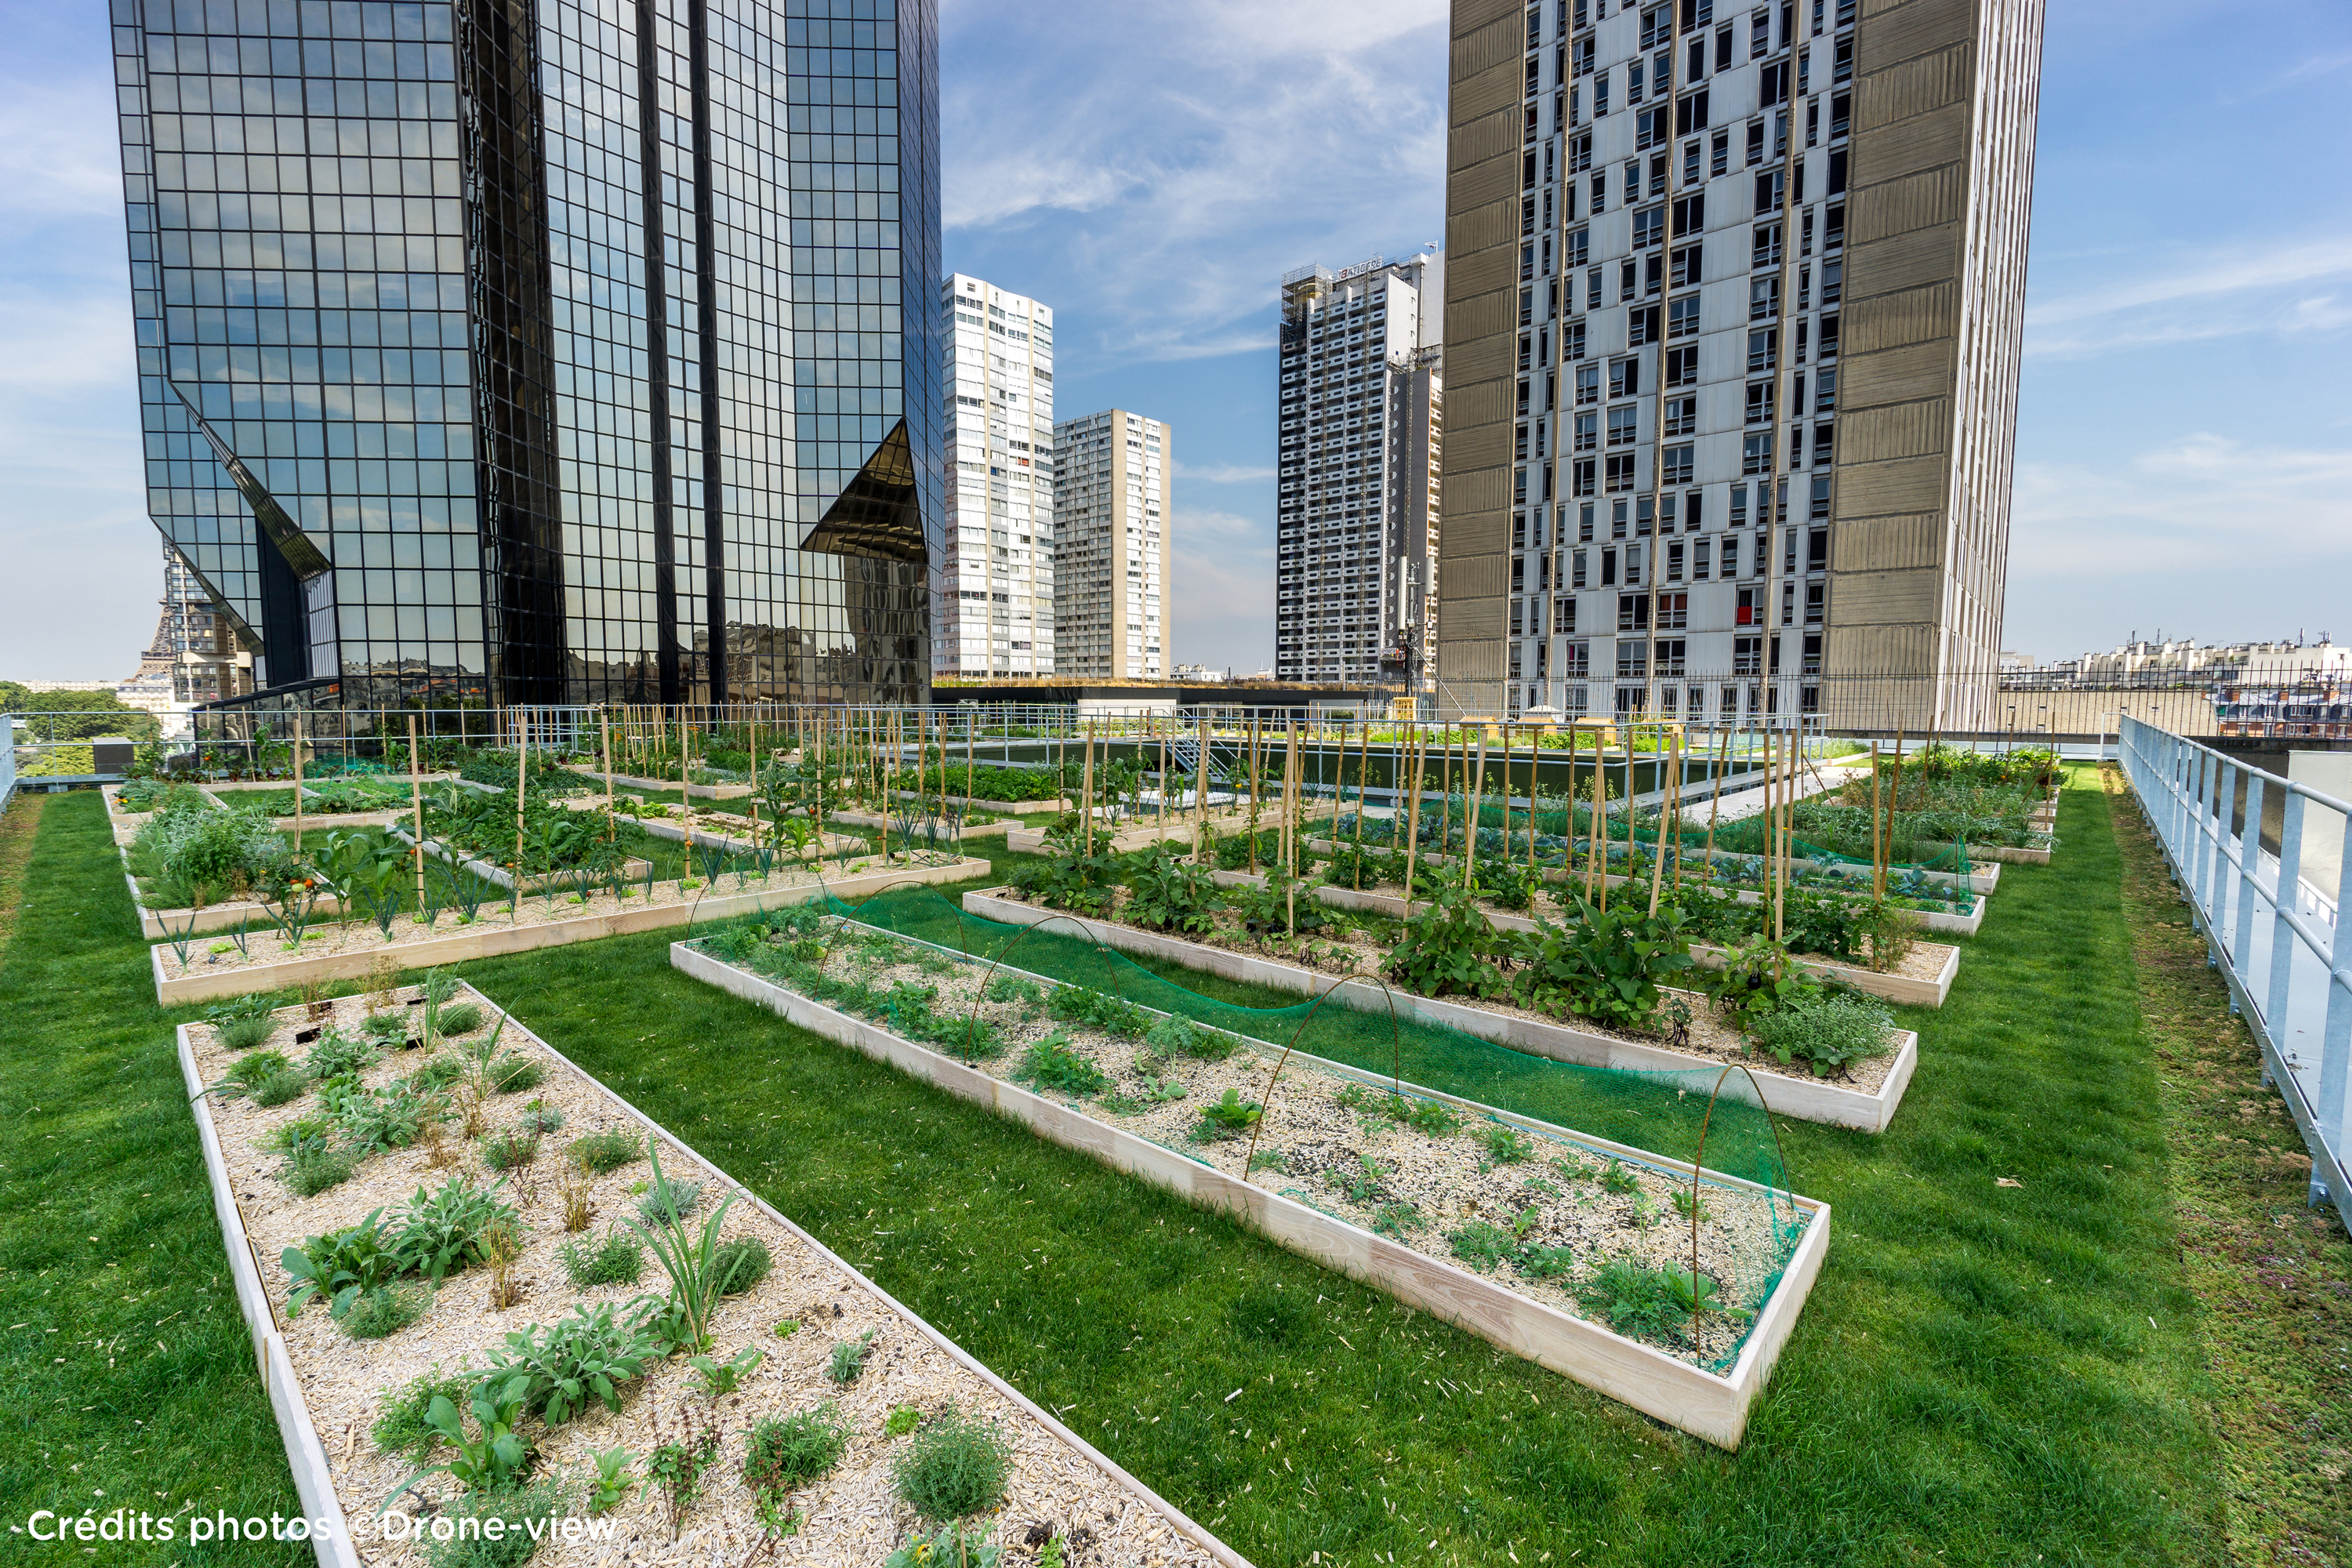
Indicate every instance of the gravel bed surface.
{"type": "Point", "coordinates": [851, 1516]}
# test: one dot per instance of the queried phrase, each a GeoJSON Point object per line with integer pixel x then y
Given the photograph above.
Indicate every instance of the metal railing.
{"type": "Point", "coordinates": [2288, 954]}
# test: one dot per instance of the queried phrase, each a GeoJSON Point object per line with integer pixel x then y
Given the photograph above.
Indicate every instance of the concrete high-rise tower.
{"type": "Point", "coordinates": [1112, 501]}
{"type": "Point", "coordinates": [1360, 430]}
{"type": "Point", "coordinates": [995, 613]}
{"type": "Point", "coordinates": [1733, 312]}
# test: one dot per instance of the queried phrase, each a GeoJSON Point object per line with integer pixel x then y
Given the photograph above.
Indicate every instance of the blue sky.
{"type": "Point", "coordinates": [2185, 452]}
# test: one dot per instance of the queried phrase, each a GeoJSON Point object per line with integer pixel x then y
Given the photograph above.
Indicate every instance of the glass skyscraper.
{"type": "Point", "coordinates": [543, 350]}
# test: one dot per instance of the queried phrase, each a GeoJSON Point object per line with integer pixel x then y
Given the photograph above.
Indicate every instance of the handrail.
{"type": "Point", "coordinates": [2289, 972]}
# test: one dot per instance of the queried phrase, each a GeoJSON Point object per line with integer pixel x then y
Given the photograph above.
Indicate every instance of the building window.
{"type": "Point", "coordinates": [1679, 465]}
{"type": "Point", "coordinates": [1682, 367]}
{"type": "Point", "coordinates": [1671, 654]}
{"type": "Point", "coordinates": [1681, 318]}
{"type": "Point", "coordinates": [1701, 554]}
{"type": "Point", "coordinates": [1759, 405]}
{"type": "Point", "coordinates": [1625, 378]}
{"type": "Point", "coordinates": [1576, 571]}
{"type": "Point", "coordinates": [1632, 663]}
{"type": "Point", "coordinates": [1767, 249]}
{"type": "Point", "coordinates": [1673, 563]}
{"type": "Point", "coordinates": [1763, 351]}
{"type": "Point", "coordinates": [1587, 383]}
{"type": "Point", "coordinates": [1563, 615]}
{"type": "Point", "coordinates": [1620, 471]}
{"type": "Point", "coordinates": [1632, 611]}
{"type": "Point", "coordinates": [1690, 267]}
{"type": "Point", "coordinates": [1682, 416]}
{"type": "Point", "coordinates": [1719, 153]}
{"type": "Point", "coordinates": [1624, 425]}
{"type": "Point", "coordinates": [1746, 654]}
{"type": "Point", "coordinates": [1641, 326]}
{"type": "Point", "coordinates": [1581, 477]}
{"type": "Point", "coordinates": [1588, 432]}
{"type": "Point", "coordinates": [1576, 660]}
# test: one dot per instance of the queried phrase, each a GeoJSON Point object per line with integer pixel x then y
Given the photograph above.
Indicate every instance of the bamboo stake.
{"type": "Point", "coordinates": [1363, 765]}
{"type": "Point", "coordinates": [1291, 783]}
{"type": "Point", "coordinates": [1596, 838]}
{"type": "Point", "coordinates": [1470, 816]}
{"type": "Point", "coordinates": [522, 782]}
{"type": "Point", "coordinates": [604, 744]}
{"type": "Point", "coordinates": [1666, 801]}
{"type": "Point", "coordinates": [1253, 792]}
{"type": "Point", "coordinates": [297, 783]}
{"type": "Point", "coordinates": [1417, 745]}
{"type": "Point", "coordinates": [1201, 792]}
{"type": "Point", "coordinates": [1086, 792]}
{"type": "Point", "coordinates": [1877, 832]}
{"type": "Point", "coordinates": [417, 804]}
{"type": "Point", "coordinates": [1162, 734]}
{"type": "Point", "coordinates": [1682, 764]}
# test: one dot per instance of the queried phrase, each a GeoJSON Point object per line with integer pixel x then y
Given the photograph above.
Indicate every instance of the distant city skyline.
{"type": "Point", "coordinates": [2185, 434]}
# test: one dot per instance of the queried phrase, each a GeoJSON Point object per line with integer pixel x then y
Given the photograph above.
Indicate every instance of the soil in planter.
{"type": "Point", "coordinates": [850, 1514]}
{"type": "Point", "coordinates": [1557, 1220]}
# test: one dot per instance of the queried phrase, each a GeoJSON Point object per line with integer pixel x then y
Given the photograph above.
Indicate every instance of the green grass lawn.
{"type": "Point", "coordinates": [1984, 1374]}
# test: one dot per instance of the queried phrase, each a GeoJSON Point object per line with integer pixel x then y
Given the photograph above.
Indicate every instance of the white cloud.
{"type": "Point", "coordinates": [2206, 503]}
{"type": "Point", "coordinates": [2268, 292]}
{"type": "Point", "coordinates": [58, 156]}
{"type": "Point", "coordinates": [1223, 473]}
{"type": "Point", "coordinates": [1167, 164]}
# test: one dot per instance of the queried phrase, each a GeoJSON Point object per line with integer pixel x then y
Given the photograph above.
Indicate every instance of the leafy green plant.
{"type": "Point", "coordinates": [1506, 1144]}
{"type": "Point", "coordinates": [386, 1310]}
{"type": "Point", "coordinates": [902, 1419]}
{"type": "Point", "coordinates": [337, 1267]}
{"type": "Point", "coordinates": [1755, 979]}
{"type": "Point", "coordinates": [951, 1546]}
{"type": "Point", "coordinates": [1111, 1014]}
{"type": "Point", "coordinates": [506, 1151]}
{"type": "Point", "coordinates": [1397, 1219]}
{"type": "Point", "coordinates": [242, 1033]}
{"type": "Point", "coordinates": [492, 1459]}
{"type": "Point", "coordinates": [787, 1453]}
{"type": "Point", "coordinates": [461, 1019]}
{"type": "Point", "coordinates": [663, 1198]}
{"type": "Point", "coordinates": [1644, 1302]}
{"type": "Point", "coordinates": [539, 1117]}
{"type": "Point", "coordinates": [495, 1529]}
{"type": "Point", "coordinates": [1482, 1246]}
{"type": "Point", "coordinates": [675, 1469]}
{"type": "Point", "coordinates": [720, 1378]}
{"type": "Point", "coordinates": [1229, 1116]}
{"type": "Point", "coordinates": [611, 1485]}
{"type": "Point", "coordinates": [1013, 988]}
{"type": "Point", "coordinates": [338, 1054]}
{"type": "Point", "coordinates": [445, 1230]}
{"type": "Point", "coordinates": [402, 1428]}
{"type": "Point", "coordinates": [848, 1358]}
{"type": "Point", "coordinates": [741, 1264]}
{"type": "Point", "coordinates": [316, 1168]}
{"type": "Point", "coordinates": [617, 1259]}
{"type": "Point", "coordinates": [1616, 1178]}
{"type": "Point", "coordinates": [1828, 1030]}
{"type": "Point", "coordinates": [281, 1088]}
{"type": "Point", "coordinates": [1606, 965]}
{"type": "Point", "coordinates": [1365, 1184]}
{"type": "Point", "coordinates": [1170, 893]}
{"type": "Point", "coordinates": [690, 1258]}
{"type": "Point", "coordinates": [393, 1116]}
{"type": "Point", "coordinates": [1051, 1063]}
{"type": "Point", "coordinates": [954, 1466]}
{"type": "Point", "coordinates": [602, 1152]}
{"type": "Point", "coordinates": [512, 1073]}
{"type": "Point", "coordinates": [555, 1369]}
{"type": "Point", "coordinates": [251, 1072]}
{"type": "Point", "coordinates": [1686, 1203]}
{"type": "Point", "coordinates": [1177, 1035]}
{"type": "Point", "coordinates": [1446, 948]}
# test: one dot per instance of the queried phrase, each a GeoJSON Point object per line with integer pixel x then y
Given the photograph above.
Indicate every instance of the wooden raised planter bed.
{"type": "Point", "coordinates": [481, 941]}
{"type": "Point", "coordinates": [1134, 835]}
{"type": "Point", "coordinates": [1016, 807]}
{"type": "Point", "coordinates": [1910, 991]}
{"type": "Point", "coordinates": [1933, 919]}
{"type": "Point", "coordinates": [1709, 1406]}
{"type": "Point", "coordinates": [631, 781]}
{"type": "Point", "coordinates": [633, 869]}
{"type": "Point", "coordinates": [1806, 1098]}
{"type": "Point", "coordinates": [885, 824]}
{"type": "Point", "coordinates": [1046, 1482]}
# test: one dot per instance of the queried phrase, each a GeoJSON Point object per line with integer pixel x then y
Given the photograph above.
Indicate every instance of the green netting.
{"type": "Point", "coordinates": [1706, 1116]}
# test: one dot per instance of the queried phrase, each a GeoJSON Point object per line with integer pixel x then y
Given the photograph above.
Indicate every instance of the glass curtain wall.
{"type": "Point", "coordinates": [542, 349]}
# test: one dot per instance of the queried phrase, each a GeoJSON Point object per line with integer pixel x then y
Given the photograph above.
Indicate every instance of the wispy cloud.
{"type": "Point", "coordinates": [2203, 504]}
{"type": "Point", "coordinates": [1223, 473]}
{"type": "Point", "coordinates": [2274, 290]}
{"type": "Point", "coordinates": [1174, 160]}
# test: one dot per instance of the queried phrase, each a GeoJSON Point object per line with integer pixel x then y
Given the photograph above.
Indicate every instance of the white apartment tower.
{"type": "Point", "coordinates": [1360, 438]}
{"type": "Point", "coordinates": [995, 615]}
{"type": "Point", "coordinates": [1111, 505]}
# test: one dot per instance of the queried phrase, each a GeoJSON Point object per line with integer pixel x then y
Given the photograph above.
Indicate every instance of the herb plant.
{"type": "Point", "coordinates": [386, 1310]}
{"type": "Point", "coordinates": [611, 1485]}
{"type": "Point", "coordinates": [445, 1230]}
{"type": "Point", "coordinates": [556, 1369]}
{"type": "Point", "coordinates": [617, 1259]}
{"type": "Point", "coordinates": [402, 1428]}
{"type": "Point", "coordinates": [603, 1151]}
{"type": "Point", "coordinates": [1050, 1063]}
{"type": "Point", "coordinates": [338, 1267]}
{"type": "Point", "coordinates": [1230, 1116]}
{"type": "Point", "coordinates": [790, 1452]}
{"type": "Point", "coordinates": [720, 1378]}
{"type": "Point", "coordinates": [690, 1258]}
{"type": "Point", "coordinates": [1828, 1030]}
{"type": "Point", "coordinates": [848, 1358]}
{"type": "Point", "coordinates": [954, 1466]}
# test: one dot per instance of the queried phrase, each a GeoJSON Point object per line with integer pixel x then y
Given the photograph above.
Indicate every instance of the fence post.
{"type": "Point", "coordinates": [2283, 935]}
{"type": "Point", "coordinates": [2250, 855]}
{"type": "Point", "coordinates": [2336, 1033]}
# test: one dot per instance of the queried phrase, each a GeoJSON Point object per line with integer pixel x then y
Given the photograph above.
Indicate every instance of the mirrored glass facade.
{"type": "Point", "coordinates": [543, 350]}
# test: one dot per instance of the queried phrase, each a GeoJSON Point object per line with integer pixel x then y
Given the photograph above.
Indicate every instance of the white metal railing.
{"type": "Point", "coordinates": [2288, 960]}
{"type": "Point", "coordinates": [7, 759]}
